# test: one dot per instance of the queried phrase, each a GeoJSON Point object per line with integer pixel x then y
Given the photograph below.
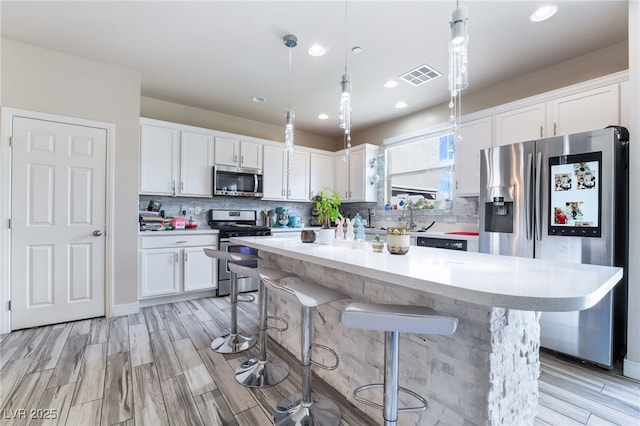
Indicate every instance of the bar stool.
{"type": "Point", "coordinates": [262, 372]}
{"type": "Point", "coordinates": [394, 319]}
{"type": "Point", "coordinates": [307, 408]}
{"type": "Point", "coordinates": [233, 342]}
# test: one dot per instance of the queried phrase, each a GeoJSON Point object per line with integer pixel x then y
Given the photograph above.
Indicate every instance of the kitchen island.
{"type": "Point", "coordinates": [486, 373]}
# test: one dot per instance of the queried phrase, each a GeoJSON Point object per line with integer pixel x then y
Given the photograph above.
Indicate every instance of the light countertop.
{"type": "Point", "coordinates": [198, 231]}
{"type": "Point", "coordinates": [484, 279]}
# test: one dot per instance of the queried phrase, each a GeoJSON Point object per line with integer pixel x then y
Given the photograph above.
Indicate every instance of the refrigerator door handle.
{"type": "Point", "coordinates": [538, 202]}
{"type": "Point", "coordinates": [528, 198]}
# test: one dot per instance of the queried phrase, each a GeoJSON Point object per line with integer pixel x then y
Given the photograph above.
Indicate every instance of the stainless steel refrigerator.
{"type": "Point", "coordinates": [565, 199]}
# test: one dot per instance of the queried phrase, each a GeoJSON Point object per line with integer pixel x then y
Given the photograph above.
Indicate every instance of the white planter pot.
{"type": "Point", "coordinates": [326, 236]}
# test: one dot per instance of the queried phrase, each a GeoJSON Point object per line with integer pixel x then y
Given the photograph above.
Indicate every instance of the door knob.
{"type": "Point", "coordinates": [97, 233]}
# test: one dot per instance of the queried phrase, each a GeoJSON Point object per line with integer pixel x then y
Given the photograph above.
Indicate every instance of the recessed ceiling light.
{"type": "Point", "coordinates": [316, 50]}
{"type": "Point", "coordinates": [258, 99]}
{"type": "Point", "coordinates": [356, 49]}
{"type": "Point", "coordinates": [390, 84]}
{"type": "Point", "coordinates": [323, 116]}
{"type": "Point", "coordinates": [401, 105]}
{"type": "Point", "coordinates": [543, 13]}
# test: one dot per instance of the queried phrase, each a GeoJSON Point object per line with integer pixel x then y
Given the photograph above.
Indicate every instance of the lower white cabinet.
{"type": "Point", "coordinates": [176, 263]}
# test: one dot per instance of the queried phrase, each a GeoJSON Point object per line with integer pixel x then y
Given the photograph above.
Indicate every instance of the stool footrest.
{"type": "Point", "coordinates": [332, 352]}
{"type": "Point", "coordinates": [422, 407]}
{"type": "Point", "coordinates": [249, 298]}
{"type": "Point", "coordinates": [273, 327]}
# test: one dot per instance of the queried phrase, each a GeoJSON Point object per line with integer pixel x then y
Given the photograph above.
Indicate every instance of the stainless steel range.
{"type": "Point", "coordinates": [235, 223]}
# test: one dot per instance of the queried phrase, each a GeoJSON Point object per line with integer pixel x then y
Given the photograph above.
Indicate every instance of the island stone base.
{"type": "Point", "coordinates": [484, 374]}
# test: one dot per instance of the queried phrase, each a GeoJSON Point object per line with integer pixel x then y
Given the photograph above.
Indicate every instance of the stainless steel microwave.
{"type": "Point", "coordinates": [237, 182]}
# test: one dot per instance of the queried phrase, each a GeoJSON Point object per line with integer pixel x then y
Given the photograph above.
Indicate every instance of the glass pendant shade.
{"type": "Point", "coordinates": [458, 72]}
{"type": "Point", "coordinates": [288, 131]}
{"type": "Point", "coordinates": [345, 104]}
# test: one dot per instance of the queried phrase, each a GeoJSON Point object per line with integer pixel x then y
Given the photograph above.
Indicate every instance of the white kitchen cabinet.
{"type": "Point", "coordinates": [158, 159]}
{"type": "Point", "coordinates": [176, 263]}
{"type": "Point", "coordinates": [235, 152]}
{"type": "Point", "coordinates": [589, 110]}
{"type": "Point", "coordinates": [174, 162]}
{"type": "Point", "coordinates": [284, 180]}
{"type": "Point", "coordinates": [355, 174]}
{"type": "Point", "coordinates": [519, 125]}
{"type": "Point", "coordinates": [321, 173]}
{"type": "Point", "coordinates": [580, 112]}
{"type": "Point", "coordinates": [475, 136]}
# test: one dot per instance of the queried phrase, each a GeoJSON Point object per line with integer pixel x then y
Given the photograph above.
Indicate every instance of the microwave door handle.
{"type": "Point", "coordinates": [255, 183]}
{"type": "Point", "coordinates": [528, 198]}
{"type": "Point", "coordinates": [538, 207]}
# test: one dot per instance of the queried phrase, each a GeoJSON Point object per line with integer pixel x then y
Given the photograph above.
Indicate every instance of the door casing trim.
{"type": "Point", "coordinates": [6, 124]}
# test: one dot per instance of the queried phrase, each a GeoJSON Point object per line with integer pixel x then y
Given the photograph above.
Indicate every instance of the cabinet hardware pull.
{"type": "Point", "coordinates": [173, 187]}
{"type": "Point", "coordinates": [181, 185]}
{"type": "Point", "coordinates": [176, 257]}
{"type": "Point", "coordinates": [186, 256]}
{"type": "Point", "coordinates": [289, 193]}
{"type": "Point", "coordinates": [540, 131]}
{"type": "Point", "coordinates": [181, 241]}
{"type": "Point", "coordinates": [555, 129]}
{"type": "Point", "coordinates": [235, 158]}
{"type": "Point", "coordinates": [242, 159]}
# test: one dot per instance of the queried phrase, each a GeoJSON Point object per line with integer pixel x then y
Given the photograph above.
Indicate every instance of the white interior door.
{"type": "Point", "coordinates": [57, 222]}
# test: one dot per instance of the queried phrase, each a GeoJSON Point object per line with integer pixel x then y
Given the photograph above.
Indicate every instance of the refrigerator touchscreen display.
{"type": "Point", "coordinates": [575, 195]}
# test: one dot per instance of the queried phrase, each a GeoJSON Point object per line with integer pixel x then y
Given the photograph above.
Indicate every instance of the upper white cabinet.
{"type": "Point", "coordinates": [355, 172]}
{"type": "Point", "coordinates": [234, 152]}
{"type": "Point", "coordinates": [158, 159]}
{"type": "Point", "coordinates": [519, 125]}
{"type": "Point", "coordinates": [589, 110]}
{"type": "Point", "coordinates": [285, 176]}
{"type": "Point", "coordinates": [174, 162]}
{"type": "Point", "coordinates": [321, 173]}
{"type": "Point", "coordinates": [475, 136]}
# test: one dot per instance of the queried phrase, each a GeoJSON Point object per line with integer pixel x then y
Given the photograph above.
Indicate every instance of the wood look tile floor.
{"type": "Point", "coordinates": [156, 368]}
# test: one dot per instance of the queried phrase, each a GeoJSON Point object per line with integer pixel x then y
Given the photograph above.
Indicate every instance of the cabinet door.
{"type": "Point", "coordinates": [475, 136]}
{"type": "Point", "coordinates": [196, 159]}
{"type": "Point", "coordinates": [298, 179]}
{"type": "Point", "coordinates": [522, 124]}
{"type": "Point", "coordinates": [226, 151]}
{"type": "Point", "coordinates": [590, 110]}
{"type": "Point", "coordinates": [357, 176]}
{"type": "Point", "coordinates": [273, 173]}
{"type": "Point", "coordinates": [200, 270]}
{"type": "Point", "coordinates": [251, 155]}
{"type": "Point", "coordinates": [342, 175]}
{"type": "Point", "coordinates": [321, 173]}
{"type": "Point", "coordinates": [624, 104]}
{"type": "Point", "coordinates": [159, 272]}
{"type": "Point", "coordinates": [158, 159]}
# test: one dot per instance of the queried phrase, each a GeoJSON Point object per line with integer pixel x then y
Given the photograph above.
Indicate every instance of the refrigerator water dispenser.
{"type": "Point", "coordinates": [498, 215]}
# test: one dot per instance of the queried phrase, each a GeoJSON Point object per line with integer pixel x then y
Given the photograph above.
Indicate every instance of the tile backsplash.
{"type": "Point", "coordinates": [462, 210]}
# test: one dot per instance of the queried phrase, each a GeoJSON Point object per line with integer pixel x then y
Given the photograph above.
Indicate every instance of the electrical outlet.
{"type": "Point", "coordinates": [373, 212]}
{"type": "Point", "coordinates": [198, 210]}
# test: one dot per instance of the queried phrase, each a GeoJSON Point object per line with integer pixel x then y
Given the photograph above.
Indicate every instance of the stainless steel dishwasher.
{"type": "Point", "coordinates": [443, 243]}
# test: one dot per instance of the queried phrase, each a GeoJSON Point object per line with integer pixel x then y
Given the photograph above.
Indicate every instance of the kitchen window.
{"type": "Point", "coordinates": [420, 165]}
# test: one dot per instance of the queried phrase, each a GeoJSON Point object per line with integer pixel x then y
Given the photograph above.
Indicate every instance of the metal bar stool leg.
{"type": "Point", "coordinates": [306, 408]}
{"type": "Point", "coordinates": [233, 342]}
{"type": "Point", "coordinates": [391, 375]}
{"type": "Point", "coordinates": [262, 372]}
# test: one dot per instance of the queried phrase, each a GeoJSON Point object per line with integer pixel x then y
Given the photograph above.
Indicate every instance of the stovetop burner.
{"type": "Point", "coordinates": [236, 223]}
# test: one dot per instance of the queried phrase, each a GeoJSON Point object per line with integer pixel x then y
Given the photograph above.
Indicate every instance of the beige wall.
{"type": "Point", "coordinates": [168, 111]}
{"type": "Point", "coordinates": [46, 81]}
{"type": "Point", "coordinates": [596, 64]}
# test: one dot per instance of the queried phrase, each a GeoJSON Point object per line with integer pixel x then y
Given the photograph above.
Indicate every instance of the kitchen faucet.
{"type": "Point", "coordinates": [411, 225]}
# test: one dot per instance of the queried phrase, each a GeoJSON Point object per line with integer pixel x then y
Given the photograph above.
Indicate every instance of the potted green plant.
{"type": "Point", "coordinates": [377, 244]}
{"type": "Point", "coordinates": [328, 208]}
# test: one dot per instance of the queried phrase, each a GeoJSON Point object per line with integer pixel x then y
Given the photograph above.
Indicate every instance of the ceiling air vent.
{"type": "Point", "coordinates": [420, 75]}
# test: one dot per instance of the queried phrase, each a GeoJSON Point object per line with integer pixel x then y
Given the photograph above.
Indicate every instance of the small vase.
{"type": "Point", "coordinates": [377, 246]}
{"type": "Point", "coordinates": [398, 240]}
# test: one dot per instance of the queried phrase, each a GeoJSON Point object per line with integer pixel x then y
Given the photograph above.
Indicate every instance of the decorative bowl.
{"type": "Point", "coordinates": [308, 236]}
{"type": "Point", "coordinates": [398, 240]}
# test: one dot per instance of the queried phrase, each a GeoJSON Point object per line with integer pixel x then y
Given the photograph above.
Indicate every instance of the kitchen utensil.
{"type": "Point", "coordinates": [294, 221]}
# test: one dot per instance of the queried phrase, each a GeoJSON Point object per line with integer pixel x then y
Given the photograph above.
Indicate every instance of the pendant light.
{"type": "Point", "coordinates": [345, 92]}
{"type": "Point", "coordinates": [290, 41]}
{"type": "Point", "coordinates": [458, 72]}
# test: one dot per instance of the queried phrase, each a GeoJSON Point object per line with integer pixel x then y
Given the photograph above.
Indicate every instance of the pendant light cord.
{"type": "Point", "coordinates": [290, 78]}
{"type": "Point", "coordinates": [346, 27]}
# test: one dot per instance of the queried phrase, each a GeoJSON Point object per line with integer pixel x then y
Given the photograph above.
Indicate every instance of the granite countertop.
{"type": "Point", "coordinates": [484, 279]}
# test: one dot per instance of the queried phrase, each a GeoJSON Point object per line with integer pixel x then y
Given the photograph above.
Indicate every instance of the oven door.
{"type": "Point", "coordinates": [224, 274]}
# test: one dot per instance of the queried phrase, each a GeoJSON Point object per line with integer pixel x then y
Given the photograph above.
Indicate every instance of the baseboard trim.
{"type": "Point", "coordinates": [181, 297]}
{"type": "Point", "coordinates": [631, 369]}
{"type": "Point", "coordinates": [128, 309]}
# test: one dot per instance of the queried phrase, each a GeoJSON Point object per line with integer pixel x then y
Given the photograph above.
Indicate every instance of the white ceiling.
{"type": "Point", "coordinates": [217, 55]}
